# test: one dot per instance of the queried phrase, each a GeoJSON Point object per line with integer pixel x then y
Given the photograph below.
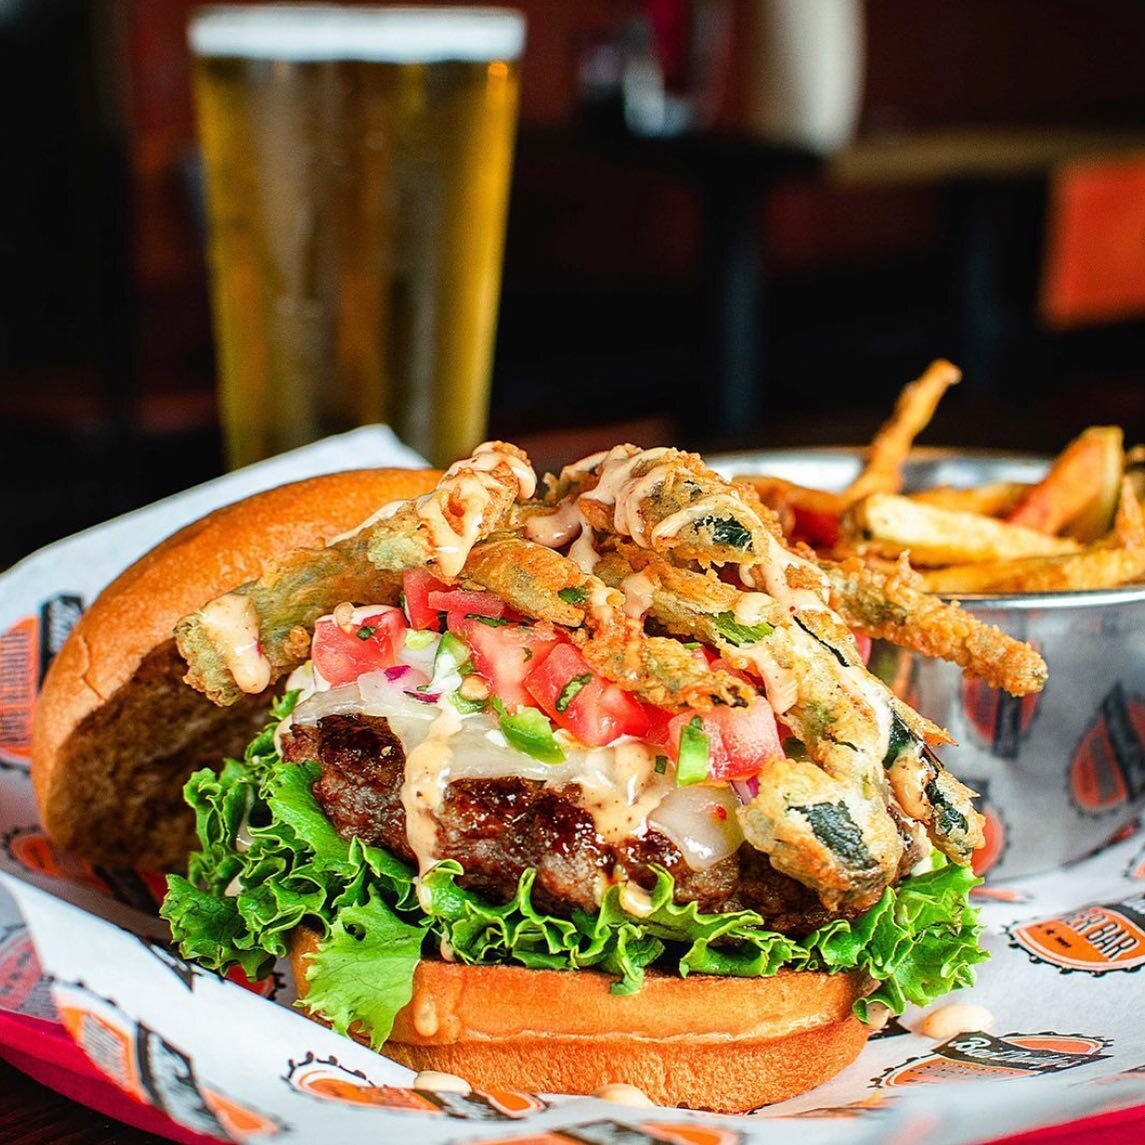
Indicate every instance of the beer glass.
{"type": "Point", "coordinates": [357, 166]}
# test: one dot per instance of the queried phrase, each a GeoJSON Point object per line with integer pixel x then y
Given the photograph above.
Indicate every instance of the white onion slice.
{"type": "Point", "coordinates": [702, 822]}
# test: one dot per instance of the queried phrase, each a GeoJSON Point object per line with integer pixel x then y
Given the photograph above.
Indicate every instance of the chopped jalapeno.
{"type": "Point", "coordinates": [529, 731]}
{"type": "Point", "coordinates": [740, 634]}
{"type": "Point", "coordinates": [692, 762]}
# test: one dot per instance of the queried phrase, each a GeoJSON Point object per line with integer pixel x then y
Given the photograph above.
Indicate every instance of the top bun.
{"type": "Point", "coordinates": [117, 732]}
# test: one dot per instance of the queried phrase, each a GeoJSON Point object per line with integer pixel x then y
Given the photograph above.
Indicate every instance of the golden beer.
{"type": "Point", "coordinates": [357, 165]}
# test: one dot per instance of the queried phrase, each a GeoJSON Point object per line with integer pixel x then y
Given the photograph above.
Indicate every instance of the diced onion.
{"type": "Point", "coordinates": [746, 789]}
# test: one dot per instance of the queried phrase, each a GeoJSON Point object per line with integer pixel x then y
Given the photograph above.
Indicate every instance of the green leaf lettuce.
{"type": "Point", "coordinates": [271, 860]}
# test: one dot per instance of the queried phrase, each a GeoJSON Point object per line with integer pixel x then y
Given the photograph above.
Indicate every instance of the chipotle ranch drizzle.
{"type": "Point", "coordinates": [231, 622]}
{"type": "Point", "coordinates": [471, 484]}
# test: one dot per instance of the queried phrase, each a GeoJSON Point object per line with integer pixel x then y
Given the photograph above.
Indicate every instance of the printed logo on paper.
{"type": "Point", "coordinates": [980, 1056]}
{"type": "Point", "coordinates": [1096, 939]}
{"type": "Point", "coordinates": [609, 1132]}
{"type": "Point", "coordinates": [1107, 769]}
{"type": "Point", "coordinates": [328, 1080]}
{"type": "Point", "coordinates": [26, 650]}
{"type": "Point", "coordinates": [148, 1067]}
{"type": "Point", "coordinates": [30, 848]}
{"type": "Point", "coordinates": [1001, 721]}
{"type": "Point", "coordinates": [23, 987]}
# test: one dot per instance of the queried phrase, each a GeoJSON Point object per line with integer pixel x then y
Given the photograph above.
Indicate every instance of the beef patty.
{"type": "Point", "coordinates": [498, 828]}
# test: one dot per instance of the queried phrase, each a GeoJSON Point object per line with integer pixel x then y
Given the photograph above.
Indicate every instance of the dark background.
{"type": "Point", "coordinates": [617, 272]}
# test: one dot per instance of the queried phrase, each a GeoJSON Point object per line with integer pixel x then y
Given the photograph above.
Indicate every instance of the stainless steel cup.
{"type": "Point", "coordinates": [1060, 773]}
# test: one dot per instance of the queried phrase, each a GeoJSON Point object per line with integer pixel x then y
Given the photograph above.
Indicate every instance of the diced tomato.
{"type": "Point", "coordinates": [457, 604]}
{"type": "Point", "coordinates": [740, 740]}
{"type": "Point", "coordinates": [417, 584]}
{"type": "Point", "coordinates": [594, 710]}
{"type": "Point", "coordinates": [864, 643]}
{"type": "Point", "coordinates": [659, 724]}
{"type": "Point", "coordinates": [375, 642]}
{"type": "Point", "coordinates": [506, 655]}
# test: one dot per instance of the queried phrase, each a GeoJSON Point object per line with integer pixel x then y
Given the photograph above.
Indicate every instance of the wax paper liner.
{"type": "Point", "coordinates": [81, 946]}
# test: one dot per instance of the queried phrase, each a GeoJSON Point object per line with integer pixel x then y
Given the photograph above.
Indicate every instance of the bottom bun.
{"type": "Point", "coordinates": [722, 1044]}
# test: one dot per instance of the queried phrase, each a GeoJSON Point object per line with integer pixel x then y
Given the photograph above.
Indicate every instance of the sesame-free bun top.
{"type": "Point", "coordinates": [117, 732]}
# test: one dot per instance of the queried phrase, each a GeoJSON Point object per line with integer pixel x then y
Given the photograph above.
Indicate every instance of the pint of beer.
{"type": "Point", "coordinates": [357, 166]}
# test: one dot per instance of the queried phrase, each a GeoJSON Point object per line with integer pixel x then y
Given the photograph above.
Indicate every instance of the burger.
{"type": "Point", "coordinates": [549, 785]}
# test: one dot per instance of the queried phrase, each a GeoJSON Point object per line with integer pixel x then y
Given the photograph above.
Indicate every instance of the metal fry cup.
{"type": "Point", "coordinates": [1060, 773]}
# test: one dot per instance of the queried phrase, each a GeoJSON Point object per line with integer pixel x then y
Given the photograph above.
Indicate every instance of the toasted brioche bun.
{"type": "Point", "coordinates": [116, 731]}
{"type": "Point", "coordinates": [724, 1044]}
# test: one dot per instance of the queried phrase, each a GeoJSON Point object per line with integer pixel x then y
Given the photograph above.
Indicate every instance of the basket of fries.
{"type": "Point", "coordinates": [1050, 551]}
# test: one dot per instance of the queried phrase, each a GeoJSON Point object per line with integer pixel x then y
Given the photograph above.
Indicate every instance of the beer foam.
{"type": "Point", "coordinates": [377, 35]}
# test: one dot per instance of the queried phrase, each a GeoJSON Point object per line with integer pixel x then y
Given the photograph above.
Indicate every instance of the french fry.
{"type": "Point", "coordinates": [887, 525]}
{"type": "Point", "coordinates": [1135, 470]}
{"type": "Point", "coordinates": [995, 499]}
{"type": "Point", "coordinates": [1080, 490]}
{"type": "Point", "coordinates": [1129, 520]}
{"type": "Point", "coordinates": [912, 413]}
{"type": "Point", "coordinates": [1093, 568]}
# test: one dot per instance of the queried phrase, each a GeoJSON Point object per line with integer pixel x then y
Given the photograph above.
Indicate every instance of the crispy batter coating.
{"type": "Point", "coordinates": [912, 413]}
{"type": "Point", "coordinates": [894, 606]}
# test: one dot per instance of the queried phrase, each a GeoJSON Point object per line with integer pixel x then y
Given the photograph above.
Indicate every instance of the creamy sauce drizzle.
{"type": "Point", "coordinates": [711, 506]}
{"type": "Point", "coordinates": [639, 592]}
{"type": "Point", "coordinates": [382, 514]}
{"type": "Point", "coordinates": [231, 624]}
{"type": "Point", "coordinates": [621, 1093]}
{"type": "Point", "coordinates": [583, 553]}
{"type": "Point", "coordinates": [424, 783]}
{"type": "Point", "coordinates": [437, 1082]}
{"type": "Point", "coordinates": [488, 457]}
{"type": "Point", "coordinates": [555, 530]}
{"type": "Point", "coordinates": [956, 1018]}
{"type": "Point", "coordinates": [770, 574]}
{"type": "Point", "coordinates": [620, 789]}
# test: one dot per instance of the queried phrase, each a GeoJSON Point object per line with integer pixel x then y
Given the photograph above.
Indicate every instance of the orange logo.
{"type": "Point", "coordinates": [153, 1071]}
{"type": "Point", "coordinates": [1002, 721]}
{"type": "Point", "coordinates": [981, 1055]}
{"type": "Point", "coordinates": [35, 852]}
{"type": "Point", "coordinates": [1108, 767]}
{"type": "Point", "coordinates": [1096, 939]}
{"type": "Point", "coordinates": [328, 1079]}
